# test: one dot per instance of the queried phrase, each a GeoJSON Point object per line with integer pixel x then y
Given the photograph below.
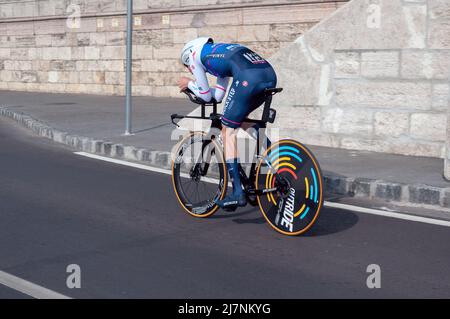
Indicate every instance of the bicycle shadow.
{"type": "Point", "coordinates": [236, 214]}
{"type": "Point", "coordinates": [330, 220]}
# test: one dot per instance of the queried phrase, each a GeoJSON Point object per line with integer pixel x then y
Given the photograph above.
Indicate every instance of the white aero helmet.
{"type": "Point", "coordinates": [191, 46]}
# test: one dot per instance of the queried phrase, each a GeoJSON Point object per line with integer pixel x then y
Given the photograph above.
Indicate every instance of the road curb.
{"type": "Point", "coordinates": [335, 185]}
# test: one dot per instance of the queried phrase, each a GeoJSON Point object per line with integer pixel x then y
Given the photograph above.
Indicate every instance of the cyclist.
{"type": "Point", "coordinates": [251, 75]}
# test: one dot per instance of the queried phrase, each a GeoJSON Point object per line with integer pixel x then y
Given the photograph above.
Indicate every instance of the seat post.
{"type": "Point", "coordinates": [203, 110]}
{"type": "Point", "coordinates": [266, 110]}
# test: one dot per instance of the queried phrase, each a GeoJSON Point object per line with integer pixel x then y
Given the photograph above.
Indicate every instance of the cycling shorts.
{"type": "Point", "coordinates": [247, 94]}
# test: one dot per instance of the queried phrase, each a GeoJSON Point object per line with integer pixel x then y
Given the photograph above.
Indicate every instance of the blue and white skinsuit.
{"type": "Point", "coordinates": [250, 72]}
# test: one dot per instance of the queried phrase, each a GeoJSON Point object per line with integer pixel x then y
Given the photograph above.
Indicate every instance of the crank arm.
{"type": "Point", "coordinates": [263, 191]}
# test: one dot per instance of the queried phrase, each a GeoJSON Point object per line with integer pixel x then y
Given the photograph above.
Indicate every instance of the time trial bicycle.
{"type": "Point", "coordinates": [284, 180]}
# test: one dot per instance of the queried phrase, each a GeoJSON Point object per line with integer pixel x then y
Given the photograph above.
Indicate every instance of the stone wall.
{"type": "Point", "coordinates": [45, 47]}
{"type": "Point", "coordinates": [373, 76]}
{"type": "Point", "coordinates": [44, 8]}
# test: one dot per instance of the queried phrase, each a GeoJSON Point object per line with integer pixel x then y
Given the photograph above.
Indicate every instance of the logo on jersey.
{"type": "Point", "coordinates": [232, 47]}
{"type": "Point", "coordinates": [254, 58]}
{"type": "Point", "coordinates": [229, 102]}
{"type": "Point", "coordinates": [216, 55]}
{"type": "Point", "coordinates": [244, 83]}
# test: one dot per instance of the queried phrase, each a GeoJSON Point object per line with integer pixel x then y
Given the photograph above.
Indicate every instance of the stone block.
{"type": "Point", "coordinates": [360, 187]}
{"type": "Point", "coordinates": [423, 194]}
{"type": "Point", "coordinates": [19, 54]}
{"type": "Point", "coordinates": [225, 17]}
{"type": "Point", "coordinates": [446, 198]}
{"type": "Point", "coordinates": [264, 49]}
{"type": "Point", "coordinates": [394, 146]}
{"type": "Point", "coordinates": [22, 28]}
{"type": "Point", "coordinates": [91, 53]}
{"type": "Point", "coordinates": [59, 40]}
{"type": "Point", "coordinates": [388, 191]}
{"type": "Point", "coordinates": [5, 53]}
{"type": "Point", "coordinates": [115, 78]}
{"type": "Point", "coordinates": [439, 24]}
{"type": "Point", "coordinates": [168, 52]}
{"type": "Point", "coordinates": [111, 65]}
{"type": "Point", "coordinates": [347, 121]}
{"type": "Point", "coordinates": [347, 64]}
{"type": "Point", "coordinates": [440, 96]}
{"type": "Point", "coordinates": [113, 53]}
{"type": "Point", "coordinates": [429, 126]}
{"type": "Point", "coordinates": [182, 36]}
{"type": "Point", "coordinates": [97, 38]}
{"type": "Point", "coordinates": [225, 34]}
{"type": "Point", "coordinates": [118, 38]}
{"type": "Point", "coordinates": [380, 64]}
{"type": "Point", "coordinates": [287, 14]}
{"type": "Point", "coordinates": [63, 65]}
{"type": "Point", "coordinates": [306, 118]}
{"type": "Point", "coordinates": [386, 94]}
{"type": "Point", "coordinates": [287, 32]}
{"type": "Point", "coordinates": [430, 64]}
{"type": "Point", "coordinates": [335, 184]}
{"type": "Point", "coordinates": [389, 124]}
{"type": "Point", "coordinates": [43, 40]}
{"type": "Point", "coordinates": [147, 37]}
{"type": "Point", "coordinates": [51, 53]}
{"type": "Point", "coordinates": [251, 33]}
{"type": "Point", "coordinates": [49, 26]}
{"type": "Point", "coordinates": [161, 66]}
{"type": "Point", "coordinates": [143, 51]}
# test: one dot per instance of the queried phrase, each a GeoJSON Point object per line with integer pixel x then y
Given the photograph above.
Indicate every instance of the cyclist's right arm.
{"type": "Point", "coordinates": [200, 86]}
{"type": "Point", "coordinates": [220, 88]}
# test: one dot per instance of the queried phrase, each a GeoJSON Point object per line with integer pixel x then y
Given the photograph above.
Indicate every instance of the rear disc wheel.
{"type": "Point", "coordinates": [296, 174]}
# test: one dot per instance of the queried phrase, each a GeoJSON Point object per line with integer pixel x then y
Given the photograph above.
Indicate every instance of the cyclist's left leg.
{"type": "Point", "coordinates": [246, 94]}
{"type": "Point", "coordinates": [254, 129]}
{"type": "Point", "coordinates": [234, 113]}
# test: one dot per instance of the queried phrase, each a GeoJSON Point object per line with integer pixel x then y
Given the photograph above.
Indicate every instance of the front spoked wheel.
{"type": "Point", "coordinates": [199, 174]}
{"type": "Point", "coordinates": [292, 178]}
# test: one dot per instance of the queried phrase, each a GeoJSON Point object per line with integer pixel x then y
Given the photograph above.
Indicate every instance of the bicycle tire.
{"type": "Point", "coordinates": [208, 206]}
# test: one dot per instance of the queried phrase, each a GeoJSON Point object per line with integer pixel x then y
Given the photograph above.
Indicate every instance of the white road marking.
{"type": "Point", "coordinates": [359, 209]}
{"type": "Point", "coordinates": [28, 288]}
{"type": "Point", "coordinates": [140, 166]}
{"type": "Point", "coordinates": [378, 212]}
{"type": "Point", "coordinates": [126, 163]}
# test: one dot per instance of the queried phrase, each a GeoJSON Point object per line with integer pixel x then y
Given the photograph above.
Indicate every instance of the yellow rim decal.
{"type": "Point", "coordinates": [280, 159]}
{"type": "Point", "coordinates": [307, 187]}
{"type": "Point", "coordinates": [300, 211]}
{"type": "Point", "coordinates": [286, 164]}
{"type": "Point", "coordinates": [268, 176]}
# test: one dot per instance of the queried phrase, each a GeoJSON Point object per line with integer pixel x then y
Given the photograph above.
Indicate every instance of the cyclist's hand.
{"type": "Point", "coordinates": [183, 83]}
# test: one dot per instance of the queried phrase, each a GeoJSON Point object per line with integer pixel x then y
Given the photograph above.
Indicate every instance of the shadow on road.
{"type": "Point", "coordinates": [237, 214]}
{"type": "Point", "coordinates": [329, 222]}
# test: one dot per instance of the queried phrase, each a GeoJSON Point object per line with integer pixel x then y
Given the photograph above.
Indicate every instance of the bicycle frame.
{"type": "Point", "coordinates": [248, 182]}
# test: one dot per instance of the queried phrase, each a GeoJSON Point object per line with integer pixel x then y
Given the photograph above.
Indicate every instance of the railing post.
{"type": "Point", "coordinates": [447, 143]}
{"type": "Point", "coordinates": [128, 67]}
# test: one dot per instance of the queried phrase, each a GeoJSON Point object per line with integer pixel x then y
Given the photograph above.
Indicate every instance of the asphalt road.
{"type": "Point", "coordinates": [126, 231]}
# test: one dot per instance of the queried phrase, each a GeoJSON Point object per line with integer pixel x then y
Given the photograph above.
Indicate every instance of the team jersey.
{"type": "Point", "coordinates": [224, 61]}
